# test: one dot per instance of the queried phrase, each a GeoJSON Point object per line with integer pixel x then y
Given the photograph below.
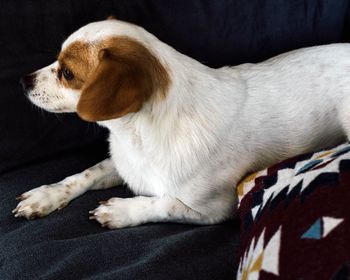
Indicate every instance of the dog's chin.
{"type": "Point", "coordinates": [59, 109]}
{"type": "Point", "coordinates": [52, 108]}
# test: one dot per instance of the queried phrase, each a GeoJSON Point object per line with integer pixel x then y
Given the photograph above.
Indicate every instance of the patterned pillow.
{"type": "Point", "coordinates": [295, 218]}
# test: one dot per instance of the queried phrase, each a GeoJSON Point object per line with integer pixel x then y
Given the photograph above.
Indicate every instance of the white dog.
{"type": "Point", "coordinates": [182, 134]}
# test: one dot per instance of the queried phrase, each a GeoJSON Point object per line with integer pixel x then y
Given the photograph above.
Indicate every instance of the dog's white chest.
{"type": "Point", "coordinates": [135, 167]}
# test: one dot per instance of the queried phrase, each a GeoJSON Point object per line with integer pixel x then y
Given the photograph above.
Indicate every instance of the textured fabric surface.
{"type": "Point", "coordinates": [295, 219]}
{"type": "Point", "coordinates": [37, 147]}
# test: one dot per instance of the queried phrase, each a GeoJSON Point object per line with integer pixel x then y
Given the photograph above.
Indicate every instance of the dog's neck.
{"type": "Point", "coordinates": [192, 84]}
{"type": "Point", "coordinates": [193, 91]}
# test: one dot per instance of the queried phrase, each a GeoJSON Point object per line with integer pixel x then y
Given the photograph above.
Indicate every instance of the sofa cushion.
{"type": "Point", "coordinates": [295, 218]}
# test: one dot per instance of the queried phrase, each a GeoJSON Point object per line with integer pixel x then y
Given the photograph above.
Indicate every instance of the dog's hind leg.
{"type": "Point", "coordinates": [127, 212]}
{"type": "Point", "coordinates": [344, 116]}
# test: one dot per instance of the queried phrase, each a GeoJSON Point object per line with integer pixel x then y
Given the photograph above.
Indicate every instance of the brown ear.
{"type": "Point", "coordinates": [111, 17]}
{"type": "Point", "coordinates": [126, 76]}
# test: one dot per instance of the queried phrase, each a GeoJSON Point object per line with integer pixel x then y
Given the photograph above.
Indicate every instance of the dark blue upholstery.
{"type": "Point", "coordinates": [38, 147]}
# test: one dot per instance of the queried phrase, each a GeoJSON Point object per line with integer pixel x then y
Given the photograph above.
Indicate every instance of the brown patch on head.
{"type": "Point", "coordinates": [79, 59]}
{"type": "Point", "coordinates": [127, 75]}
{"type": "Point", "coordinates": [111, 17]}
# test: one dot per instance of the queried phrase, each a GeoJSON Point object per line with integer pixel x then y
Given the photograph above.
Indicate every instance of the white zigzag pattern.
{"type": "Point", "coordinates": [288, 177]}
{"type": "Point", "coordinates": [270, 257]}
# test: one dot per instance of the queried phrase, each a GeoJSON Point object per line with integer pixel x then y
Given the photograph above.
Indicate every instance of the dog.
{"type": "Point", "coordinates": [182, 135]}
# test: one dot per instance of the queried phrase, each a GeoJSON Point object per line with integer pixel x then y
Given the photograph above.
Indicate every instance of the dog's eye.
{"type": "Point", "coordinates": [67, 74]}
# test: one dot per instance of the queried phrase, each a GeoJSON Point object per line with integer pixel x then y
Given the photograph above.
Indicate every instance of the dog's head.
{"type": "Point", "coordinates": [105, 70]}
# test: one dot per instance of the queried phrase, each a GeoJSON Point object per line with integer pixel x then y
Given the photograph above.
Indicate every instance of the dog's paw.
{"type": "Point", "coordinates": [41, 201]}
{"type": "Point", "coordinates": [118, 212]}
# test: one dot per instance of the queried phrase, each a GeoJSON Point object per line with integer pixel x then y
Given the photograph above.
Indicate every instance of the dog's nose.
{"type": "Point", "coordinates": [27, 82]}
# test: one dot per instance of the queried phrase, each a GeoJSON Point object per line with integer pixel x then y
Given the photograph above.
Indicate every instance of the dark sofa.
{"type": "Point", "coordinates": [38, 148]}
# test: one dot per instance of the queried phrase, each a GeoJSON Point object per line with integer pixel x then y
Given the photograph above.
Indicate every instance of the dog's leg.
{"type": "Point", "coordinates": [120, 213]}
{"type": "Point", "coordinates": [344, 116]}
{"type": "Point", "coordinates": [43, 200]}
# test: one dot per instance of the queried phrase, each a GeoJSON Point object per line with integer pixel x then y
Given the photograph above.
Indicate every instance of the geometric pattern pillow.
{"type": "Point", "coordinates": [295, 218]}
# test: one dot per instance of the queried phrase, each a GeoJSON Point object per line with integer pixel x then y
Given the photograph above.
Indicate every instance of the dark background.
{"type": "Point", "coordinates": [38, 148]}
{"type": "Point", "coordinates": [217, 33]}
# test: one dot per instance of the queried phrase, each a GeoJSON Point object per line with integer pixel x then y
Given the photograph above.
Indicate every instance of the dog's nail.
{"type": "Point", "coordinates": [18, 214]}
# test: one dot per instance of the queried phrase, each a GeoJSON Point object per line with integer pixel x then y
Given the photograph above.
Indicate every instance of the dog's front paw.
{"type": "Point", "coordinates": [40, 201]}
{"type": "Point", "coordinates": [118, 212]}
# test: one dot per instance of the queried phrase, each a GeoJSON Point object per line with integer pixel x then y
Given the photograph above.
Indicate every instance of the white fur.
{"type": "Point", "coordinates": [43, 200]}
{"type": "Point", "coordinates": [189, 151]}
